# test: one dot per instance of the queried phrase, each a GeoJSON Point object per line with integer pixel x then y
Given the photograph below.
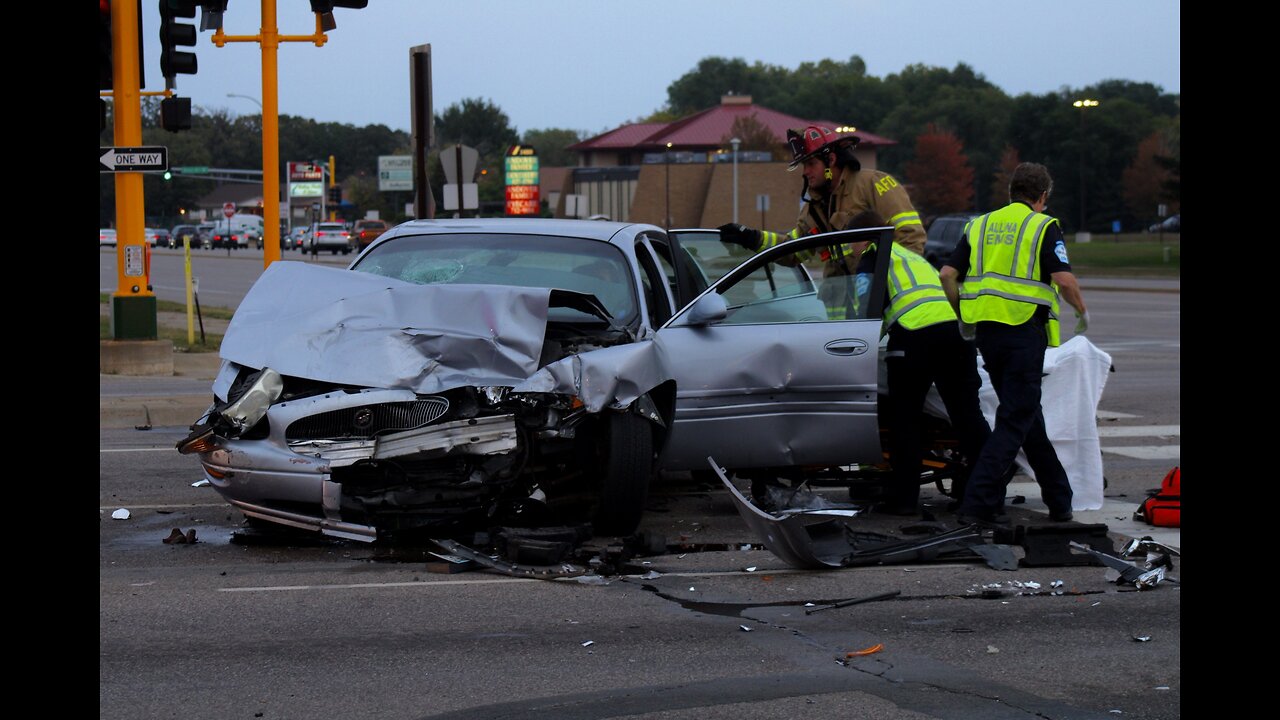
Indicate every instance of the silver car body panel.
{"type": "Point", "coordinates": [791, 536]}
{"type": "Point", "coordinates": [757, 390]}
{"type": "Point", "coordinates": [360, 329]}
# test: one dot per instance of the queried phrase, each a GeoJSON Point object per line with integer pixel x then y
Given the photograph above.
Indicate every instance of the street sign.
{"type": "Point", "coordinates": [459, 163]}
{"type": "Point", "coordinates": [133, 159]}
{"type": "Point", "coordinates": [193, 170]}
{"type": "Point", "coordinates": [470, 196]}
{"type": "Point", "coordinates": [395, 172]}
{"type": "Point", "coordinates": [228, 209]}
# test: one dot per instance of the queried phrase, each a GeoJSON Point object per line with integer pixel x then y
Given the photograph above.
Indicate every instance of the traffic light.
{"type": "Point", "coordinates": [335, 195]}
{"type": "Point", "coordinates": [324, 8]}
{"type": "Point", "coordinates": [106, 73]}
{"type": "Point", "coordinates": [173, 34]}
{"type": "Point", "coordinates": [175, 114]}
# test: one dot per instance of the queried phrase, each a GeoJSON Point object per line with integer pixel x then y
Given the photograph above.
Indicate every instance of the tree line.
{"type": "Point", "coordinates": [958, 138]}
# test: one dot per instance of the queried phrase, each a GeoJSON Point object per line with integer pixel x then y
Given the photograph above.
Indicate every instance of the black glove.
{"type": "Point", "coordinates": [736, 234]}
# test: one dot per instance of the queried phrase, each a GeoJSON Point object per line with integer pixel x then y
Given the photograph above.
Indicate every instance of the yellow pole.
{"type": "Point", "coordinates": [130, 240]}
{"type": "Point", "coordinates": [270, 134]}
{"type": "Point", "coordinates": [186, 272]}
{"type": "Point", "coordinates": [133, 305]}
{"type": "Point", "coordinates": [333, 213]}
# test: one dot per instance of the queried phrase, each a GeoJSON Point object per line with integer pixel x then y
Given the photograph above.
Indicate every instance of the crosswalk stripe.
{"type": "Point", "coordinates": [1108, 415]}
{"type": "Point", "coordinates": [1147, 452]}
{"type": "Point", "coordinates": [1138, 430]}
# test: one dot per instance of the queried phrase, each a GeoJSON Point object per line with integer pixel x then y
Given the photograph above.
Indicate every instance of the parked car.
{"type": "Point", "coordinates": [366, 231]}
{"type": "Point", "coordinates": [180, 231]}
{"type": "Point", "coordinates": [233, 239]}
{"type": "Point", "coordinates": [943, 236]}
{"type": "Point", "coordinates": [206, 230]}
{"type": "Point", "coordinates": [462, 372]}
{"type": "Point", "coordinates": [158, 237]}
{"type": "Point", "coordinates": [331, 236]}
{"type": "Point", "coordinates": [1171, 224]}
{"type": "Point", "coordinates": [106, 236]}
{"type": "Point", "coordinates": [298, 238]}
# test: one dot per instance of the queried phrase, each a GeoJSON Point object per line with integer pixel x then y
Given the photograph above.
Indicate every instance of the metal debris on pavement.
{"type": "Point", "coordinates": [121, 514]}
{"type": "Point", "coordinates": [1141, 578]}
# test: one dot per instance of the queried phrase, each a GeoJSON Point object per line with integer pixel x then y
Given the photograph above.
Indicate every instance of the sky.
{"type": "Point", "coordinates": [592, 65]}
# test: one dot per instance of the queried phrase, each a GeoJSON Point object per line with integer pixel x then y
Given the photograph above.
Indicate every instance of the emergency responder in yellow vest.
{"type": "Point", "coordinates": [924, 349]}
{"type": "Point", "coordinates": [836, 189]}
{"type": "Point", "coordinates": [1004, 280]}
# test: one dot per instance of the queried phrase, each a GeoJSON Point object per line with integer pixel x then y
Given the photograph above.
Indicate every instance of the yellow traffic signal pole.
{"type": "Point", "coordinates": [133, 305]}
{"type": "Point", "coordinates": [333, 211]}
{"type": "Point", "coordinates": [269, 38]}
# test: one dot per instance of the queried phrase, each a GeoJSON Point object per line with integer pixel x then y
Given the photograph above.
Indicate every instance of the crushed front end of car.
{"type": "Point", "coordinates": [390, 407]}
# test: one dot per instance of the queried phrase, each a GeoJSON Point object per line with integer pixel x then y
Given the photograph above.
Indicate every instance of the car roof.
{"type": "Point", "coordinates": [604, 231]}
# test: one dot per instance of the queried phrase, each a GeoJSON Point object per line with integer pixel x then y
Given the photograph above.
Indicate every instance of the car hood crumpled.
{"type": "Point", "coordinates": [353, 328]}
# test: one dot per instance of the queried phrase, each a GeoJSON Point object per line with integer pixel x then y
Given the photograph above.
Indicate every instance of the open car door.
{"type": "Point", "coordinates": [768, 375]}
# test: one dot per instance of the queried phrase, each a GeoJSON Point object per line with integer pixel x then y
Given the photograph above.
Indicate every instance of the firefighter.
{"type": "Point", "coordinates": [836, 188]}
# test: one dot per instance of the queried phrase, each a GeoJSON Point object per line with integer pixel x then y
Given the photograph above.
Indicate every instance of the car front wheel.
{"type": "Point", "coordinates": [625, 454]}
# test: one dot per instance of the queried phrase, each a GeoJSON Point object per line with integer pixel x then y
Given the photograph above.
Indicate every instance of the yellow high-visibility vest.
{"type": "Point", "coordinates": [1003, 283]}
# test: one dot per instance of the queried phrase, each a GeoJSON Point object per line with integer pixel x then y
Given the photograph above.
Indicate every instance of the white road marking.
{"type": "Point", "coordinates": [1107, 415]}
{"type": "Point", "coordinates": [1147, 452]}
{"type": "Point", "coordinates": [1138, 430]}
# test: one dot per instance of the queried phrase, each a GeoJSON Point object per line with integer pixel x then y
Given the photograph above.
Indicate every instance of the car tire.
{"type": "Point", "coordinates": [625, 454]}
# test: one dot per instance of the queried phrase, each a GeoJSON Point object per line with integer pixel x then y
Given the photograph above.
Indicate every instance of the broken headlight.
{"type": "Point", "coordinates": [245, 411]}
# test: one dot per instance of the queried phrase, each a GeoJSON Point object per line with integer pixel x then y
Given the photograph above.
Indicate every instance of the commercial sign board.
{"type": "Point", "coordinates": [306, 189]}
{"type": "Point", "coordinates": [520, 169]}
{"type": "Point", "coordinates": [302, 171]}
{"type": "Point", "coordinates": [395, 172]}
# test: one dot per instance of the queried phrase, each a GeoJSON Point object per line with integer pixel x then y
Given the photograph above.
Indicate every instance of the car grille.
{"type": "Point", "coordinates": [366, 421]}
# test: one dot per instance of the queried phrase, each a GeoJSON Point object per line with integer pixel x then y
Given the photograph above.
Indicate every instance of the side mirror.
{"type": "Point", "coordinates": [708, 309]}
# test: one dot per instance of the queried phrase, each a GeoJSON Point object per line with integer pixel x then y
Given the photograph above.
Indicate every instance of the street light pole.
{"type": "Point", "coordinates": [667, 157]}
{"type": "Point", "coordinates": [735, 142]}
{"type": "Point", "coordinates": [1082, 104]}
{"type": "Point", "coordinates": [255, 100]}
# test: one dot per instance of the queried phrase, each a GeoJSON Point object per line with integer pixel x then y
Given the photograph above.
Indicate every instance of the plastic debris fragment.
{"type": "Point", "coordinates": [651, 575]}
{"type": "Point", "coordinates": [589, 642]}
{"type": "Point", "coordinates": [745, 628]}
{"type": "Point", "coordinates": [121, 514]}
{"type": "Point", "coordinates": [201, 483]}
{"type": "Point", "coordinates": [1141, 638]}
{"type": "Point", "coordinates": [1056, 583]}
{"type": "Point", "coordinates": [992, 649]}
{"type": "Point", "coordinates": [750, 569]}
{"type": "Point", "coordinates": [866, 651]}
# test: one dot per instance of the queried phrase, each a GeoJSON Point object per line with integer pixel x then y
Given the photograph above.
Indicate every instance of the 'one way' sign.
{"type": "Point", "coordinates": [133, 159]}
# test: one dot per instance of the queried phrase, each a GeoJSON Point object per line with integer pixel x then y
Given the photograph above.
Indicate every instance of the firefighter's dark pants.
{"type": "Point", "coordinates": [1013, 356]}
{"type": "Point", "coordinates": [917, 359]}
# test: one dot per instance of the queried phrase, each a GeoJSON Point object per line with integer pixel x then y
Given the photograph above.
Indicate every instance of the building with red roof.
{"type": "Point", "coordinates": [681, 173]}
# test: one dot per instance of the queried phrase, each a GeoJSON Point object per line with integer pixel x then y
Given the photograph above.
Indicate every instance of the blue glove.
{"type": "Point", "coordinates": [1082, 322]}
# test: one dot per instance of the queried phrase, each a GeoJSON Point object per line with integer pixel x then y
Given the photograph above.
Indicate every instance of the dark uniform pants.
{"type": "Point", "coordinates": [915, 360]}
{"type": "Point", "coordinates": [1013, 356]}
